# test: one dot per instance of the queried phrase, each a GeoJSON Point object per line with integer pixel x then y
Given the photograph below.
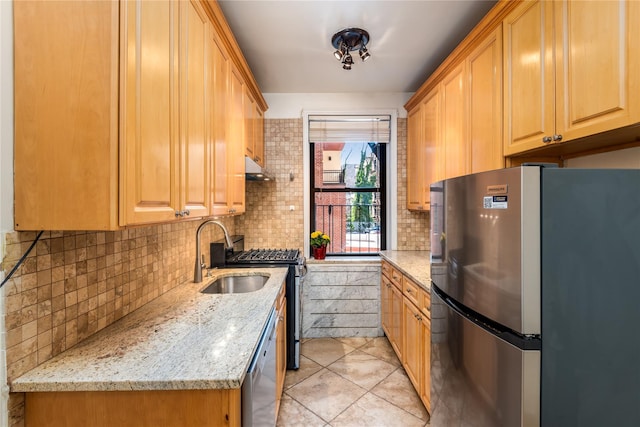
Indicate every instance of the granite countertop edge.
{"type": "Point", "coordinates": [413, 264]}
{"type": "Point", "coordinates": [182, 340]}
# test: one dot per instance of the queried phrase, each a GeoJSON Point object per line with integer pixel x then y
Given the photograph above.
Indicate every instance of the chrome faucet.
{"type": "Point", "coordinates": [197, 273]}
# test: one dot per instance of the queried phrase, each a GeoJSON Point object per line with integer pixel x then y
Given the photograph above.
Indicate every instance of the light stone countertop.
{"type": "Point", "coordinates": [181, 340]}
{"type": "Point", "coordinates": [414, 264]}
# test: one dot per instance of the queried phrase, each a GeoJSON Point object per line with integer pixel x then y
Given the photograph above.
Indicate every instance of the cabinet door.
{"type": "Point", "coordinates": [258, 135]}
{"type": "Point", "coordinates": [66, 63]}
{"type": "Point", "coordinates": [416, 160]}
{"type": "Point", "coordinates": [597, 66]}
{"type": "Point", "coordinates": [149, 153]}
{"type": "Point", "coordinates": [425, 385]}
{"type": "Point", "coordinates": [220, 99]}
{"type": "Point", "coordinates": [412, 343]}
{"type": "Point", "coordinates": [454, 116]}
{"type": "Point", "coordinates": [484, 82]}
{"type": "Point", "coordinates": [385, 300]}
{"type": "Point", "coordinates": [434, 153]}
{"type": "Point", "coordinates": [194, 109]}
{"type": "Point", "coordinates": [529, 75]}
{"type": "Point", "coordinates": [396, 320]}
{"type": "Point", "coordinates": [236, 145]}
{"type": "Point", "coordinates": [249, 124]}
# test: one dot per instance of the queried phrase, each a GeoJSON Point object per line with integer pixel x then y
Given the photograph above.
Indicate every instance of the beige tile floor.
{"type": "Point", "coordinates": [349, 382]}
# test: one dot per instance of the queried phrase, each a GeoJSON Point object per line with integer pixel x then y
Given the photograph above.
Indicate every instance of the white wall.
{"type": "Point", "coordinates": [6, 175]}
{"type": "Point", "coordinates": [290, 105]}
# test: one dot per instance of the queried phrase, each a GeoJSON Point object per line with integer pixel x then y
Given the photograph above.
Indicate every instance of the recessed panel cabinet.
{"type": "Point", "coordinates": [117, 114]}
{"type": "Point", "coordinates": [572, 69]}
{"type": "Point", "coordinates": [406, 320]}
{"type": "Point", "coordinates": [484, 94]}
{"type": "Point", "coordinates": [164, 149]}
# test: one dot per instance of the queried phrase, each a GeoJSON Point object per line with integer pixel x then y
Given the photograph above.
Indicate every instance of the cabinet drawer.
{"type": "Point", "coordinates": [396, 278]}
{"type": "Point", "coordinates": [386, 269]}
{"type": "Point", "coordinates": [425, 307]}
{"type": "Point", "coordinates": [412, 291]}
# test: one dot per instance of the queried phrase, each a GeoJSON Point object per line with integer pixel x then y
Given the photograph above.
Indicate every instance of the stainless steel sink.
{"type": "Point", "coordinates": [236, 284]}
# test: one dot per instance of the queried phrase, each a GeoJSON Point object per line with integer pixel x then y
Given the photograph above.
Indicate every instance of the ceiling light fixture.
{"type": "Point", "coordinates": [348, 40]}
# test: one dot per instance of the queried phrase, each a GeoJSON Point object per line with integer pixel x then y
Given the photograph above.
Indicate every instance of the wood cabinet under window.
{"type": "Point", "coordinates": [572, 69]}
{"type": "Point", "coordinates": [107, 135]}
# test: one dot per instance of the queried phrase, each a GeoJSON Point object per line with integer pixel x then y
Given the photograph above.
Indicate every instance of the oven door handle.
{"type": "Point", "coordinates": [303, 271]}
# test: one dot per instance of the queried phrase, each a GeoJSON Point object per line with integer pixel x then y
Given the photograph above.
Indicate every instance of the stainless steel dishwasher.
{"type": "Point", "coordinates": [259, 386]}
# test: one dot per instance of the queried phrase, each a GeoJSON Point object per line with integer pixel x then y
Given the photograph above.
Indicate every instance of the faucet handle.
{"type": "Point", "coordinates": [203, 264]}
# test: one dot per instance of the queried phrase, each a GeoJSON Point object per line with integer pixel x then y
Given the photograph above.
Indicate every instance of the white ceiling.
{"type": "Point", "coordinates": [288, 43]}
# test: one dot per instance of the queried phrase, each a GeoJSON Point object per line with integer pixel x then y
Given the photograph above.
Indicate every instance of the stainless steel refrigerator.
{"type": "Point", "coordinates": [535, 315]}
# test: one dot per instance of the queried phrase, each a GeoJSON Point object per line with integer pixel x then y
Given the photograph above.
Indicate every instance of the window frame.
{"type": "Point", "coordinates": [382, 189]}
{"type": "Point", "coordinates": [391, 182]}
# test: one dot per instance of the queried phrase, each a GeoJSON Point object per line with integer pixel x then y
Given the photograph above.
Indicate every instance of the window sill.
{"type": "Point", "coordinates": [375, 260]}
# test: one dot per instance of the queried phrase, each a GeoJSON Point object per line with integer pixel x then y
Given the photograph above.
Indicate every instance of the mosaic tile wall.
{"type": "Point", "coordinates": [269, 222]}
{"type": "Point", "coordinates": [413, 227]}
{"type": "Point", "coordinates": [74, 284]}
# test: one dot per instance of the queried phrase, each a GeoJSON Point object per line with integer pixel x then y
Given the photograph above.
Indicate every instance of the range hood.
{"type": "Point", "coordinates": [255, 172]}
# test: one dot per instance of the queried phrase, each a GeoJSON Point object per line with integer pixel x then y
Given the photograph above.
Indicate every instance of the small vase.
{"type": "Point", "coordinates": [320, 252]}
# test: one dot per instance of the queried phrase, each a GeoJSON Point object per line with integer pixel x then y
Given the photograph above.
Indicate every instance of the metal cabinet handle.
{"type": "Point", "coordinates": [546, 139]}
{"type": "Point", "coordinates": [557, 137]}
{"type": "Point", "coordinates": [187, 212]}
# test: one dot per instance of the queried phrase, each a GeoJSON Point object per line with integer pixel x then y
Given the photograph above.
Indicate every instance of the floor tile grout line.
{"type": "Point", "coordinates": [366, 390]}
{"type": "Point", "coordinates": [308, 409]}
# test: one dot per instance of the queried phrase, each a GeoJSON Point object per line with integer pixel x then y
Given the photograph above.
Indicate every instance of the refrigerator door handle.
{"type": "Point", "coordinates": [524, 342]}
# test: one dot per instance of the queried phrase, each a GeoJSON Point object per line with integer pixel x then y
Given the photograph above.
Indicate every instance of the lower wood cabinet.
{"type": "Point", "coordinates": [281, 346]}
{"type": "Point", "coordinates": [148, 408]}
{"type": "Point", "coordinates": [406, 319]}
{"type": "Point", "coordinates": [391, 294]}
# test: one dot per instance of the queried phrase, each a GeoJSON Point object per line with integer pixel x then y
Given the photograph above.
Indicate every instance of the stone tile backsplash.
{"type": "Point", "coordinates": [269, 222]}
{"type": "Point", "coordinates": [75, 283]}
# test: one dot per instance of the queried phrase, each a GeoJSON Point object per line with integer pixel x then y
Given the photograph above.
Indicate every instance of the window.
{"type": "Point", "coordinates": [348, 180]}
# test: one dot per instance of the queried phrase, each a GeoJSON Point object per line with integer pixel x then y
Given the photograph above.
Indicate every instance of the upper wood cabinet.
{"type": "Point", "coordinates": [236, 142]}
{"type": "Point", "coordinates": [571, 69]}
{"type": "Point", "coordinates": [258, 135]}
{"type": "Point", "coordinates": [195, 111]}
{"type": "Point", "coordinates": [484, 94]}
{"type": "Point", "coordinates": [66, 115]}
{"type": "Point", "coordinates": [254, 129]}
{"type": "Point", "coordinates": [424, 141]}
{"type": "Point", "coordinates": [454, 144]}
{"type": "Point", "coordinates": [116, 121]}
{"type": "Point", "coordinates": [220, 127]}
{"type": "Point", "coordinates": [150, 142]}
{"type": "Point", "coordinates": [165, 117]}
{"type": "Point", "coordinates": [416, 161]}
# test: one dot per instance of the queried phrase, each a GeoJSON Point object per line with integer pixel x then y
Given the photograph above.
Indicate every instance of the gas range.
{"type": "Point", "coordinates": [294, 261]}
{"type": "Point", "coordinates": [266, 256]}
